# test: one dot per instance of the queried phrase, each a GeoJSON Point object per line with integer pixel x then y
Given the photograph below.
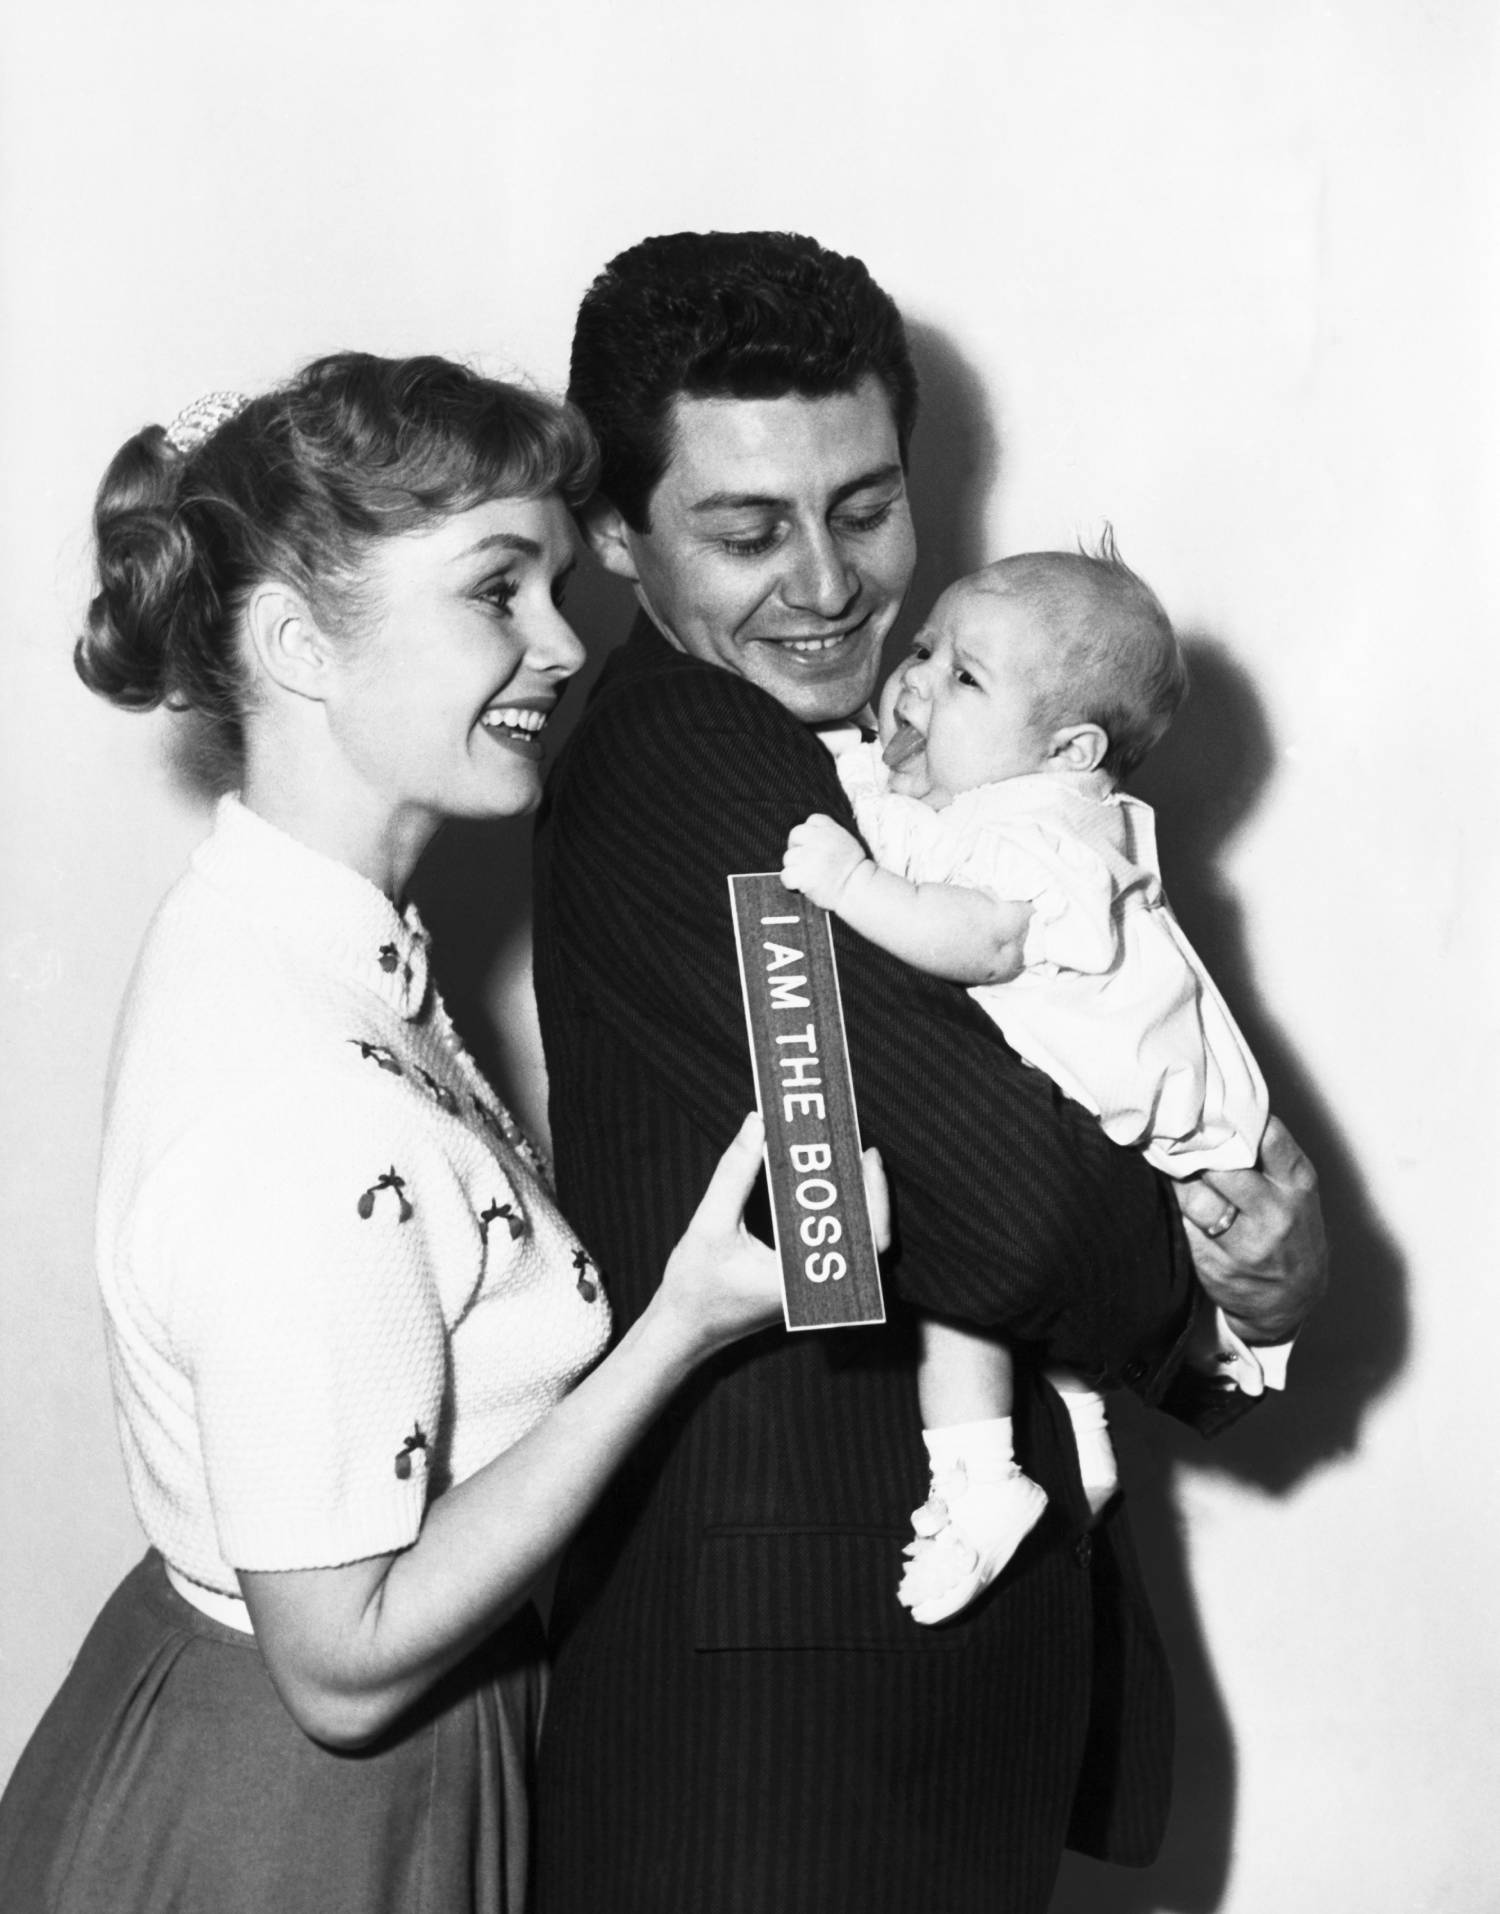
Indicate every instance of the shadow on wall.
{"type": "Point", "coordinates": [955, 456]}
{"type": "Point", "coordinates": [1204, 782]}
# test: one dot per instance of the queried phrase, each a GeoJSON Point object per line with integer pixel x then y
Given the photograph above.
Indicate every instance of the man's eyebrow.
{"type": "Point", "coordinates": [867, 481]}
{"type": "Point", "coordinates": [761, 501]}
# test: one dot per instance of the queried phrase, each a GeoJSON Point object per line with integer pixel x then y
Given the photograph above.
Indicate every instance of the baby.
{"type": "Point", "coordinates": [1007, 859]}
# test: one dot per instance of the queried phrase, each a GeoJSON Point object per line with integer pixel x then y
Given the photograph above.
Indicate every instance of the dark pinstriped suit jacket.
{"type": "Point", "coordinates": [742, 1717]}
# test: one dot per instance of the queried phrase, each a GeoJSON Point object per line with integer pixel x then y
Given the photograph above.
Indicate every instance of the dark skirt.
{"type": "Point", "coordinates": [167, 1775]}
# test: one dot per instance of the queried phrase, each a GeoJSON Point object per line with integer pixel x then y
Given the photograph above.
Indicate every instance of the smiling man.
{"type": "Point", "coordinates": [742, 1716]}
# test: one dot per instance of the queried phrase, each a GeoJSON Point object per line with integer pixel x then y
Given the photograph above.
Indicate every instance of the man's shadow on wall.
{"type": "Point", "coordinates": [1205, 782]}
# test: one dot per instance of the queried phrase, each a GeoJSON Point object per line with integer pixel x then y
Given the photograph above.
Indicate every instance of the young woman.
{"type": "Point", "coordinates": [346, 1323]}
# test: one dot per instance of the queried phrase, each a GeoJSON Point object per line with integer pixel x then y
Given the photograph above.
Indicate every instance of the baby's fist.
{"type": "Point", "coordinates": [821, 857]}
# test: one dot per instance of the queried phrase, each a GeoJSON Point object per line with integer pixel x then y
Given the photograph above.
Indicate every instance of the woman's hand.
{"type": "Point", "coordinates": [721, 1282]}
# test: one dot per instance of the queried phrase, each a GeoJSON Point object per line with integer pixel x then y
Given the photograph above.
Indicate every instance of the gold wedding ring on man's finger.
{"type": "Point", "coordinates": [1220, 1223]}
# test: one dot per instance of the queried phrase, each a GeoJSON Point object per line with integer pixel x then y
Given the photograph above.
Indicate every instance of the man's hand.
{"type": "Point", "coordinates": [1257, 1239]}
{"type": "Point", "coordinates": [821, 857]}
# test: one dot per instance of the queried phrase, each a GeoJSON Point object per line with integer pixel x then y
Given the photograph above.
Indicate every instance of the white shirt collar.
{"type": "Point", "coordinates": [843, 735]}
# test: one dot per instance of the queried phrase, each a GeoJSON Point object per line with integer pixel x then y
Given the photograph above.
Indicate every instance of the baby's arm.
{"type": "Point", "coordinates": [966, 935]}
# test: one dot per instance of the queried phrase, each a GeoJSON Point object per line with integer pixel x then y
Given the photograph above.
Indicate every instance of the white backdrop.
{"type": "Point", "coordinates": [1223, 274]}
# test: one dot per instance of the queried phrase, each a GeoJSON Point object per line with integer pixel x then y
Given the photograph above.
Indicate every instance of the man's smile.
{"type": "Point", "coordinates": [812, 644]}
{"type": "Point", "coordinates": [817, 644]}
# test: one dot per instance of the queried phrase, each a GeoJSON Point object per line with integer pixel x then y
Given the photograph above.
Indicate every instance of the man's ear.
{"type": "Point", "coordinates": [609, 538]}
{"type": "Point", "coordinates": [289, 646]}
{"type": "Point", "coordinates": [1078, 747]}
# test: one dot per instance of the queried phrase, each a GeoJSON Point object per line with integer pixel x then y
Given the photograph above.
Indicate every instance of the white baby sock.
{"type": "Point", "coordinates": [1096, 1453]}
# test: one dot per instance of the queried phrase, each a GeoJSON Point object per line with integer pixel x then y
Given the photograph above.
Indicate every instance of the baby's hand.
{"type": "Point", "coordinates": [821, 857]}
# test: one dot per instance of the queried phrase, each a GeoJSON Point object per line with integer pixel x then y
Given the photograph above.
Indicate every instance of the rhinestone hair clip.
{"type": "Point", "coordinates": [203, 418]}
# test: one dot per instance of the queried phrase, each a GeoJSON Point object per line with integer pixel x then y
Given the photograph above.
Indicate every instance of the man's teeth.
{"type": "Point", "coordinates": [513, 718]}
{"type": "Point", "coordinates": [815, 644]}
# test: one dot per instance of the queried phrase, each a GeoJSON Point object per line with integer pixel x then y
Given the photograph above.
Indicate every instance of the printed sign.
{"type": "Point", "coordinates": [829, 1272]}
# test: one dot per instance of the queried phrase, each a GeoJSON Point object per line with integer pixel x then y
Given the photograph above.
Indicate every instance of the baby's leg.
{"type": "Point", "coordinates": [962, 1375]}
{"type": "Point", "coordinates": [980, 1505]}
{"type": "Point", "coordinates": [1096, 1453]}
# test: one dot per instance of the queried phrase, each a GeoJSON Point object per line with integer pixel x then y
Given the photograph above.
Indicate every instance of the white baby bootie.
{"type": "Point", "coordinates": [978, 1510]}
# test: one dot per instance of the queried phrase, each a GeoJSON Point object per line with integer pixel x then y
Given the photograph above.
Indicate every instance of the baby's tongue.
{"type": "Point", "coordinates": [906, 742]}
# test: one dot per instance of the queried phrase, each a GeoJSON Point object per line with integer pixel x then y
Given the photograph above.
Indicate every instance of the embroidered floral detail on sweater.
{"type": "Point", "coordinates": [388, 1181]}
{"type": "Point", "coordinates": [516, 1224]}
{"type": "Point", "coordinates": [588, 1285]}
{"type": "Point", "coordinates": [377, 1054]}
{"type": "Point", "coordinates": [416, 1440]}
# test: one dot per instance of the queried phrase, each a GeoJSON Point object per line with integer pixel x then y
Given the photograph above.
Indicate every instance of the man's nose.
{"type": "Point", "coordinates": [820, 579]}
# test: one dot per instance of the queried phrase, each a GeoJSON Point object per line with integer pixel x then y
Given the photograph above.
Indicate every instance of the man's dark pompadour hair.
{"type": "Point", "coordinates": [724, 315]}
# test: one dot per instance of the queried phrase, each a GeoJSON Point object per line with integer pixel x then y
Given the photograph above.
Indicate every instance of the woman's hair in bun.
{"type": "Point", "coordinates": [295, 486]}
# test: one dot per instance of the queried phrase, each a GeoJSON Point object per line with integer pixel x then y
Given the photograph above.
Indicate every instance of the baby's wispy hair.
{"type": "Point", "coordinates": [1115, 658]}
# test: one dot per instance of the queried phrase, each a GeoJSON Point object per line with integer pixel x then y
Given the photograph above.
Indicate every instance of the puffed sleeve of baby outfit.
{"type": "Point", "coordinates": [316, 1246]}
{"type": "Point", "coordinates": [1069, 887]}
{"type": "Point", "coordinates": [1000, 839]}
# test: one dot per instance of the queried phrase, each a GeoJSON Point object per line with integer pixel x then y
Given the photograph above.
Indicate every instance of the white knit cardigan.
{"type": "Point", "coordinates": [334, 1279]}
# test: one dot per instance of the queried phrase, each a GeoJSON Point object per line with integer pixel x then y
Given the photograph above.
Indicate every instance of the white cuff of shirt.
{"type": "Point", "coordinates": [1252, 1369]}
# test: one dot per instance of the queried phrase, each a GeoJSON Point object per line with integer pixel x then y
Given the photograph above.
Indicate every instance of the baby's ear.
{"type": "Point", "coordinates": [1078, 747]}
